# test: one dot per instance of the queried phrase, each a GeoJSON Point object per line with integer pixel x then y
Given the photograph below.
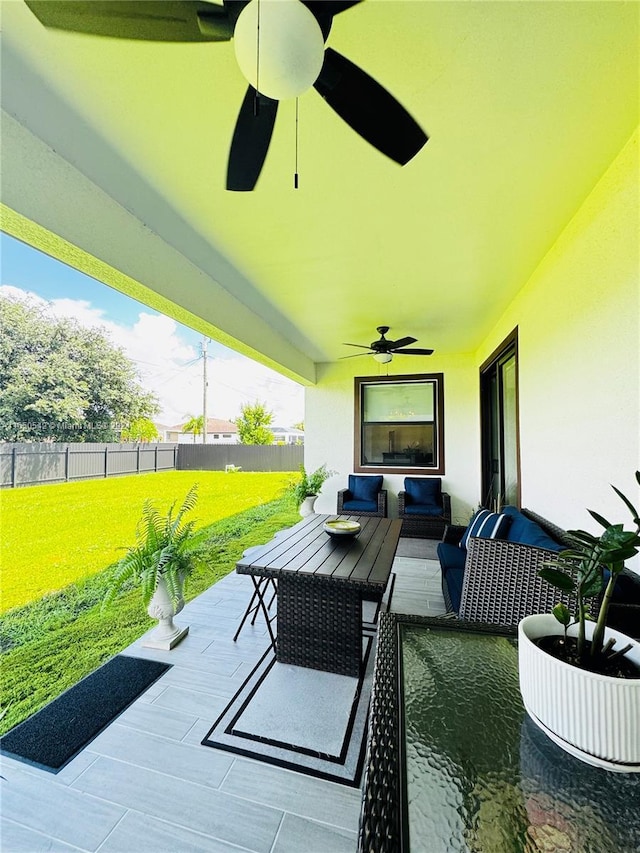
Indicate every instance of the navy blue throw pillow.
{"type": "Point", "coordinates": [486, 525]}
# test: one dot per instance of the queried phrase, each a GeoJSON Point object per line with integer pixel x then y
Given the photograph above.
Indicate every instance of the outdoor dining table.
{"type": "Point", "coordinates": [321, 582]}
{"type": "Point", "coordinates": [455, 763]}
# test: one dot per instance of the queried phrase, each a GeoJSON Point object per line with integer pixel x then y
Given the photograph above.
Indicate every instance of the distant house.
{"type": "Point", "coordinates": [218, 432]}
{"type": "Point", "coordinates": [163, 432]}
{"type": "Point", "coordinates": [287, 435]}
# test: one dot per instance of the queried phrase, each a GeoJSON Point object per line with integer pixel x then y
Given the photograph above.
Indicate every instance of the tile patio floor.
{"type": "Point", "coordinates": [146, 785]}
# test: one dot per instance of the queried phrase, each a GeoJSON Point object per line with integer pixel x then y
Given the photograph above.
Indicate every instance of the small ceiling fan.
{"type": "Point", "coordinates": [355, 96]}
{"type": "Point", "coordinates": [383, 349]}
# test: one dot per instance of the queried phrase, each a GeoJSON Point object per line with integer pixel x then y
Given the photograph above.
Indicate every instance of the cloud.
{"type": "Point", "coordinates": [171, 367]}
{"type": "Point", "coordinates": [240, 380]}
{"type": "Point", "coordinates": [18, 293]}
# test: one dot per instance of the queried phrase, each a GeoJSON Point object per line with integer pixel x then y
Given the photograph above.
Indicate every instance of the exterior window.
{"type": "Point", "coordinates": [226, 435]}
{"type": "Point", "coordinates": [216, 435]}
{"type": "Point", "coordinates": [399, 424]}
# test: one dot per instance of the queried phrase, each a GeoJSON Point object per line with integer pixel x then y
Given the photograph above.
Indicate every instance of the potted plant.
{"type": "Point", "coordinates": [159, 564]}
{"type": "Point", "coordinates": [579, 679]}
{"type": "Point", "coordinates": [307, 489]}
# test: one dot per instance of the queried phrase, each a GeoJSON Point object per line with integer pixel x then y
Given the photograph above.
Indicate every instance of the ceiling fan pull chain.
{"type": "Point", "coordinates": [295, 176]}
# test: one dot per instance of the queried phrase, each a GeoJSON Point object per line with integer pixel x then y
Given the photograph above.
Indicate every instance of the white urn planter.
{"type": "Point", "coordinates": [307, 506]}
{"type": "Point", "coordinates": [167, 634]}
{"type": "Point", "coordinates": [593, 717]}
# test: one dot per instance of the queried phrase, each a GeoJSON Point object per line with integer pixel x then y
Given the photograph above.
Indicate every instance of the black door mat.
{"type": "Point", "coordinates": [55, 734]}
{"type": "Point", "coordinates": [307, 720]}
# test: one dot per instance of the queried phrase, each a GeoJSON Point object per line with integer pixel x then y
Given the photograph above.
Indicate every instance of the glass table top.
{"type": "Point", "coordinates": [479, 776]}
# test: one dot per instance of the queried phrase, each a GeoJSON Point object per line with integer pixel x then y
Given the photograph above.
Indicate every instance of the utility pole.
{"type": "Point", "coordinates": [205, 341]}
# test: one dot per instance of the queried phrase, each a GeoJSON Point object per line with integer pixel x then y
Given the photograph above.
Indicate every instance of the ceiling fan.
{"type": "Point", "coordinates": [355, 96]}
{"type": "Point", "coordinates": [383, 350]}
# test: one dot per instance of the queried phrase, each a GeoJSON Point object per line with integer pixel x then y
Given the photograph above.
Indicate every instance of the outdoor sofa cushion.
{"type": "Point", "coordinates": [425, 491]}
{"type": "Point", "coordinates": [527, 532]}
{"type": "Point", "coordinates": [452, 559]}
{"type": "Point", "coordinates": [627, 588]}
{"type": "Point", "coordinates": [423, 496]}
{"type": "Point", "coordinates": [365, 488]}
{"type": "Point", "coordinates": [359, 506]}
{"type": "Point", "coordinates": [423, 509]}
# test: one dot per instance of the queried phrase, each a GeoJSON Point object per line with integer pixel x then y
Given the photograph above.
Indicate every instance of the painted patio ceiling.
{"type": "Point", "coordinates": [526, 104]}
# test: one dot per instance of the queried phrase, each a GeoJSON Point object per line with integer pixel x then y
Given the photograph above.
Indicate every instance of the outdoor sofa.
{"type": "Point", "coordinates": [496, 579]}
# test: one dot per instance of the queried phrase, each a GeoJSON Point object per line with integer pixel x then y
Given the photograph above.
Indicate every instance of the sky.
{"type": "Point", "coordinates": [167, 355]}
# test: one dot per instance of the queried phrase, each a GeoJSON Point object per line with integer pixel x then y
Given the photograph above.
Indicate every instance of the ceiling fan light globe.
{"type": "Point", "coordinates": [383, 357]}
{"type": "Point", "coordinates": [289, 56]}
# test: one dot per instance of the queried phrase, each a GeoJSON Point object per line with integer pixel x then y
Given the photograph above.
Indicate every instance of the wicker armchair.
{"type": "Point", "coordinates": [350, 500]}
{"type": "Point", "coordinates": [419, 523]}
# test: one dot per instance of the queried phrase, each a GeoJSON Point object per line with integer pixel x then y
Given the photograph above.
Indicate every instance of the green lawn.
{"type": "Point", "coordinates": [57, 534]}
{"type": "Point", "coordinates": [51, 643]}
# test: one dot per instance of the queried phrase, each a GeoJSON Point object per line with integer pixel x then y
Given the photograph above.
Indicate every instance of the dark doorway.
{"type": "Point", "coordinates": [500, 426]}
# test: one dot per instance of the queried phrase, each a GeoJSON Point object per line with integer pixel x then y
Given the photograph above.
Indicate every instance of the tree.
{"type": "Point", "coordinates": [140, 429]}
{"type": "Point", "coordinates": [253, 424]}
{"type": "Point", "coordinates": [60, 381]}
{"type": "Point", "coordinates": [299, 425]}
{"type": "Point", "coordinates": [195, 424]}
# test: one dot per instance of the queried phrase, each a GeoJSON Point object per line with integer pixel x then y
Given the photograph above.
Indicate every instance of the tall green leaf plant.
{"type": "Point", "coordinates": [581, 570]}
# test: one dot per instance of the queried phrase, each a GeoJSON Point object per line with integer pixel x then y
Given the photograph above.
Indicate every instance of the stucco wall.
{"type": "Point", "coordinates": [579, 356]}
{"type": "Point", "coordinates": [579, 340]}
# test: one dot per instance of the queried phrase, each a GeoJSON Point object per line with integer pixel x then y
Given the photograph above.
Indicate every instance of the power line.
{"type": "Point", "coordinates": [175, 370]}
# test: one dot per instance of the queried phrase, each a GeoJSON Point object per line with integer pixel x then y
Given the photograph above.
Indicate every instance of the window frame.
{"type": "Point", "coordinates": [491, 367]}
{"type": "Point", "coordinates": [360, 384]}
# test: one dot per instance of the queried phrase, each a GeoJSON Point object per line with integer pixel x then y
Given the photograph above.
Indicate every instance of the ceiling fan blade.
{"type": "Point", "coordinates": [324, 10]}
{"type": "Point", "coordinates": [356, 355]}
{"type": "Point", "coordinates": [412, 351]}
{"type": "Point", "coordinates": [355, 345]}
{"type": "Point", "coordinates": [152, 20]}
{"type": "Point", "coordinates": [368, 108]}
{"type": "Point", "coordinates": [250, 142]}
{"type": "Point", "coordinates": [403, 342]}
{"type": "Point", "coordinates": [330, 7]}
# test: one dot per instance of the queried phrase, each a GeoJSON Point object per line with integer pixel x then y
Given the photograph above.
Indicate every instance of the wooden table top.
{"type": "Point", "coordinates": [363, 561]}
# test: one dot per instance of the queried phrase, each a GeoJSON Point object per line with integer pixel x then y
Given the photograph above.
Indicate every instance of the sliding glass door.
{"type": "Point", "coordinates": [500, 434]}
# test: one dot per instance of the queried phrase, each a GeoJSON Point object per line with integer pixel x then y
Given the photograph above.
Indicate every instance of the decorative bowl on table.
{"type": "Point", "coordinates": [341, 529]}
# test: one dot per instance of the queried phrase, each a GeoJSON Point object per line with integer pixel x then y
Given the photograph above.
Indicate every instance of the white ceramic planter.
{"type": "Point", "coordinates": [307, 506]}
{"type": "Point", "coordinates": [167, 634]}
{"type": "Point", "coordinates": [594, 717]}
